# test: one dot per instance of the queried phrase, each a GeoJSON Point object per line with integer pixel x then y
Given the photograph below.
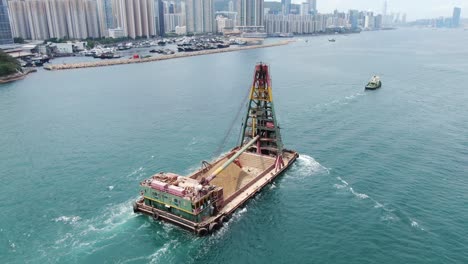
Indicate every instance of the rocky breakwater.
{"type": "Point", "coordinates": [149, 59]}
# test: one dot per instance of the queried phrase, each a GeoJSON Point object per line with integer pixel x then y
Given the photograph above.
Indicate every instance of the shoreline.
{"type": "Point", "coordinates": [102, 63]}
{"type": "Point", "coordinates": [16, 76]}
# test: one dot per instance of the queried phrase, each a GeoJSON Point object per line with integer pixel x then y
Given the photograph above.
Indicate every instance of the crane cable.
{"type": "Point", "coordinates": [231, 126]}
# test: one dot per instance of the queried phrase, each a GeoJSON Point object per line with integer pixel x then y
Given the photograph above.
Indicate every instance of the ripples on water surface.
{"type": "Point", "coordinates": [381, 178]}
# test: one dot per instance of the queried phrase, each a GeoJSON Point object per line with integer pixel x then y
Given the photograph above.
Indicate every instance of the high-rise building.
{"type": "Point", "coordinates": [5, 28]}
{"type": "Point", "coordinates": [171, 21]}
{"type": "Point", "coordinates": [105, 16]}
{"type": "Point", "coordinates": [137, 17]}
{"type": "Point", "coordinates": [76, 17]}
{"type": "Point", "coordinates": [44, 19]}
{"type": "Point", "coordinates": [456, 17]}
{"type": "Point", "coordinates": [92, 19]}
{"type": "Point", "coordinates": [369, 21]}
{"type": "Point", "coordinates": [36, 19]}
{"type": "Point", "coordinates": [56, 18]}
{"type": "Point", "coordinates": [286, 7]}
{"type": "Point", "coordinates": [312, 7]}
{"type": "Point", "coordinates": [305, 9]}
{"type": "Point", "coordinates": [160, 16]}
{"type": "Point", "coordinates": [384, 9]}
{"type": "Point", "coordinates": [251, 12]}
{"type": "Point", "coordinates": [19, 19]}
{"type": "Point", "coordinates": [384, 14]}
{"type": "Point", "coordinates": [353, 18]}
{"type": "Point", "coordinates": [200, 16]}
{"type": "Point", "coordinates": [378, 21]}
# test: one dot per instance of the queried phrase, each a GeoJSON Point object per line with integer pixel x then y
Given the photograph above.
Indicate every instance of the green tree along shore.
{"type": "Point", "coordinates": [8, 64]}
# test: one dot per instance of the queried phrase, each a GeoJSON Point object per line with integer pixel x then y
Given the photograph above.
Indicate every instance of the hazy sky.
{"type": "Point", "coordinates": [414, 9]}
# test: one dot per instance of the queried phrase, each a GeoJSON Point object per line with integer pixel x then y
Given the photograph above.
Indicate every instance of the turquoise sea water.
{"type": "Point", "coordinates": [382, 177]}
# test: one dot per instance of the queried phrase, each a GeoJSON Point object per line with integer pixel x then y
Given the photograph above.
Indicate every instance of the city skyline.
{"type": "Point", "coordinates": [415, 9]}
{"type": "Point", "coordinates": [81, 19]}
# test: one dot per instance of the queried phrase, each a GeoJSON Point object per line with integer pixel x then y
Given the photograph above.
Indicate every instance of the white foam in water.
{"type": "Point", "coordinates": [389, 218]}
{"type": "Point", "coordinates": [135, 172]}
{"type": "Point", "coordinates": [67, 219]}
{"type": "Point", "coordinates": [234, 219]}
{"type": "Point", "coordinates": [415, 224]}
{"type": "Point", "coordinates": [308, 166]}
{"type": "Point", "coordinates": [339, 186]}
{"type": "Point", "coordinates": [154, 258]}
{"type": "Point", "coordinates": [342, 101]}
{"type": "Point", "coordinates": [345, 184]}
{"type": "Point", "coordinates": [378, 205]}
{"type": "Point", "coordinates": [343, 181]}
{"type": "Point", "coordinates": [358, 195]}
{"type": "Point", "coordinates": [12, 245]}
{"type": "Point", "coordinates": [111, 187]}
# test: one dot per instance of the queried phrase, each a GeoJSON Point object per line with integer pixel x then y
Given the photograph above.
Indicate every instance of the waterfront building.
{"type": "Point", "coordinates": [116, 33]}
{"type": "Point", "coordinates": [5, 28]}
{"type": "Point", "coordinates": [171, 21]}
{"type": "Point", "coordinates": [231, 6]}
{"type": "Point", "coordinates": [296, 24]}
{"type": "Point", "coordinates": [229, 15]}
{"type": "Point", "coordinates": [181, 30]}
{"type": "Point", "coordinates": [456, 17]}
{"type": "Point", "coordinates": [223, 23]}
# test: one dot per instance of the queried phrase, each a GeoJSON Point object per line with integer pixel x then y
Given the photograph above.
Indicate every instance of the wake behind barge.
{"type": "Point", "coordinates": [203, 201]}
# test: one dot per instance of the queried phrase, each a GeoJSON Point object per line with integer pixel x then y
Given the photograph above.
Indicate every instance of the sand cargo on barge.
{"type": "Point", "coordinates": [203, 201]}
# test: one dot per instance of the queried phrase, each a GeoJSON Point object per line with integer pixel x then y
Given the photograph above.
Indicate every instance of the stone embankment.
{"type": "Point", "coordinates": [101, 63]}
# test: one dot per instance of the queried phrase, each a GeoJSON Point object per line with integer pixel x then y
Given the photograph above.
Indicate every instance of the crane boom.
{"type": "Point", "coordinates": [229, 161]}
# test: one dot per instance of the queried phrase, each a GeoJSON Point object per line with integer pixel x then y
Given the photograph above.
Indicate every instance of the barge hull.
{"type": "Point", "coordinates": [235, 201]}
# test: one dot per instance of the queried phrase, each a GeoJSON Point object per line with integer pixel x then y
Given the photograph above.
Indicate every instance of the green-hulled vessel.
{"type": "Point", "coordinates": [374, 83]}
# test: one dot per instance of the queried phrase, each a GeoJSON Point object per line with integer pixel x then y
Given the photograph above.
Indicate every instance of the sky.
{"type": "Point", "coordinates": [415, 9]}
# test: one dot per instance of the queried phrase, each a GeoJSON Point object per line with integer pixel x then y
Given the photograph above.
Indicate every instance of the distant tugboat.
{"type": "Point", "coordinates": [374, 83]}
{"type": "Point", "coordinates": [204, 200]}
{"type": "Point", "coordinates": [331, 40]}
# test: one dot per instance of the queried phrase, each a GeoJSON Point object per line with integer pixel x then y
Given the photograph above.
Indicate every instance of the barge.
{"type": "Point", "coordinates": [202, 201]}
